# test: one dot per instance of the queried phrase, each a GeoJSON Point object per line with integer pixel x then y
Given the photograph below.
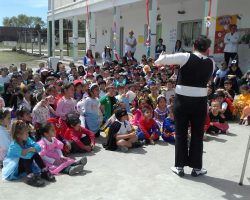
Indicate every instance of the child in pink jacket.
{"type": "Point", "coordinates": [51, 153]}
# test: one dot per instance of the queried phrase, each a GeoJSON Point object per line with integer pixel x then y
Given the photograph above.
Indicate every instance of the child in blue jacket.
{"type": "Point", "coordinates": [20, 158]}
{"type": "Point", "coordinates": [168, 134]}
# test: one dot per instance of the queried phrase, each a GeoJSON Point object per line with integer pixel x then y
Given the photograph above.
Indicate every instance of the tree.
{"type": "Point", "coordinates": [23, 21]}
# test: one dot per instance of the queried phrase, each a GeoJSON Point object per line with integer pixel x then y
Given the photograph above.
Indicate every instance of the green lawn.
{"type": "Point", "coordinates": [8, 58]}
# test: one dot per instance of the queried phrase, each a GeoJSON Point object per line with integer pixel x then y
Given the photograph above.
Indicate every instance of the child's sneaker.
{"type": "Point", "coordinates": [75, 169]}
{"type": "Point", "coordinates": [48, 176]}
{"type": "Point", "coordinates": [198, 172]}
{"type": "Point", "coordinates": [137, 144]}
{"type": "Point", "coordinates": [178, 170]}
{"type": "Point", "coordinates": [205, 137]}
{"type": "Point", "coordinates": [124, 149]}
{"type": "Point", "coordinates": [83, 160]}
{"type": "Point", "coordinates": [34, 181]}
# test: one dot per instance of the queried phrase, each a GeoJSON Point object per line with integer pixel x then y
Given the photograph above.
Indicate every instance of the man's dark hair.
{"type": "Point", "coordinates": [202, 43]}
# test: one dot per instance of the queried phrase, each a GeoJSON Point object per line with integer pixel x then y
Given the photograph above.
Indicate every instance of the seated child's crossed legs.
{"type": "Point", "coordinates": [127, 142]}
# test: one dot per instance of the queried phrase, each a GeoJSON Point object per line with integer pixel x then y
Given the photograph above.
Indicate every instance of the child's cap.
{"type": "Point", "coordinates": [77, 82]}
{"type": "Point", "coordinates": [93, 86]}
{"type": "Point", "coordinates": [119, 113]}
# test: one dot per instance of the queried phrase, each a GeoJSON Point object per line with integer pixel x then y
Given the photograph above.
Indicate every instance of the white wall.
{"type": "Point", "coordinates": [134, 18]}
{"type": "Point", "coordinates": [240, 7]}
{"type": "Point", "coordinates": [170, 18]}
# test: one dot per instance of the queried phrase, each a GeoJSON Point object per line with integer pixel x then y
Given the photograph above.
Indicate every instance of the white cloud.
{"type": "Point", "coordinates": [38, 3]}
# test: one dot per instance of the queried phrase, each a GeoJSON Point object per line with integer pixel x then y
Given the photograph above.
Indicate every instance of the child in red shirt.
{"type": "Point", "coordinates": [81, 139]}
{"type": "Point", "coordinates": [148, 129]}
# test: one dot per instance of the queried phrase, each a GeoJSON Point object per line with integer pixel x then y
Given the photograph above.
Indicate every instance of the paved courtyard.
{"type": "Point", "coordinates": [144, 174]}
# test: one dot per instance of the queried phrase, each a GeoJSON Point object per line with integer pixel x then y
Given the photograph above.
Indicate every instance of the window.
{"type": "Point", "coordinates": [189, 31]}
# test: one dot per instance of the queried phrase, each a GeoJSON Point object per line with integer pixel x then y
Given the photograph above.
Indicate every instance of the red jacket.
{"type": "Point", "coordinates": [71, 134]}
{"type": "Point", "coordinates": [145, 126]}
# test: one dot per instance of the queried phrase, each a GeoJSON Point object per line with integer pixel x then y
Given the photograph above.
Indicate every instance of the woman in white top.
{"type": "Point", "coordinates": [178, 48]}
{"type": "Point", "coordinates": [130, 44]}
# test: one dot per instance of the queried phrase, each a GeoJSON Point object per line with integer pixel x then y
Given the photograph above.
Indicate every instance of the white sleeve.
{"type": "Point", "coordinates": [80, 107]}
{"type": "Point", "coordinates": [226, 41]}
{"type": "Point", "coordinates": [173, 59]}
{"type": "Point", "coordinates": [235, 39]}
{"type": "Point", "coordinates": [128, 126]}
{"type": "Point", "coordinates": [224, 106]}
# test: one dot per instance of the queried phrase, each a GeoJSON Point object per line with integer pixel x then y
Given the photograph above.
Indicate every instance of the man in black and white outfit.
{"type": "Point", "coordinates": [231, 41]}
{"type": "Point", "coordinates": [190, 106]}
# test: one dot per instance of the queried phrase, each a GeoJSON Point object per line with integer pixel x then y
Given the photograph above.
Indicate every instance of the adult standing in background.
{"type": "Point", "coordinates": [231, 41]}
{"type": "Point", "coordinates": [160, 47]}
{"type": "Point", "coordinates": [178, 48]}
{"type": "Point", "coordinates": [130, 44]}
{"type": "Point", "coordinates": [190, 106]}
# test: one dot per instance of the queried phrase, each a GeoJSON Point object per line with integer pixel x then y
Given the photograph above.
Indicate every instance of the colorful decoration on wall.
{"type": "Point", "coordinates": [148, 41]}
{"type": "Point", "coordinates": [88, 23]}
{"type": "Point", "coordinates": [208, 22]}
{"type": "Point", "coordinates": [222, 28]}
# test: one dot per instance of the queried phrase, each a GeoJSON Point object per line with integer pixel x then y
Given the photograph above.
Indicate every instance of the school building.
{"type": "Point", "coordinates": [108, 22]}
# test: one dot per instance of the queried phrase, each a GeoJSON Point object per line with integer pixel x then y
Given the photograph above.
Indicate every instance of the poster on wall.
{"type": "Point", "coordinates": [222, 28]}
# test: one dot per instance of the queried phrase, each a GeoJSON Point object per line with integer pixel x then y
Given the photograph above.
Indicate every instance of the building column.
{"type": "Point", "coordinates": [75, 38]}
{"type": "Point", "coordinates": [87, 36]}
{"type": "Point", "coordinates": [153, 25]}
{"type": "Point", "coordinates": [92, 32]}
{"type": "Point", "coordinates": [53, 28]}
{"type": "Point", "coordinates": [212, 28]}
{"type": "Point", "coordinates": [116, 26]}
{"type": "Point", "coordinates": [61, 38]}
{"type": "Point", "coordinates": [49, 38]}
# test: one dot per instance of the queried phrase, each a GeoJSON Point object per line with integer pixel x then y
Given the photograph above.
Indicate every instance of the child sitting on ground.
{"type": "Point", "coordinates": [169, 90]}
{"type": "Point", "coordinates": [5, 138]}
{"type": "Point", "coordinates": [67, 103]}
{"type": "Point", "coordinates": [22, 154]}
{"type": "Point", "coordinates": [107, 102]}
{"type": "Point", "coordinates": [241, 102]}
{"type": "Point", "coordinates": [161, 110]}
{"type": "Point", "coordinates": [52, 155]}
{"type": "Point", "coordinates": [121, 133]}
{"type": "Point", "coordinates": [216, 120]}
{"type": "Point", "coordinates": [89, 109]}
{"type": "Point", "coordinates": [81, 139]}
{"type": "Point", "coordinates": [24, 114]}
{"type": "Point", "coordinates": [123, 97]}
{"type": "Point", "coordinates": [226, 107]}
{"type": "Point", "coordinates": [228, 89]}
{"type": "Point", "coordinates": [168, 133]}
{"type": "Point", "coordinates": [148, 129]}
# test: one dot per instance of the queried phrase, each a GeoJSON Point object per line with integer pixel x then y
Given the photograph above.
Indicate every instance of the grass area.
{"type": "Point", "coordinates": [8, 58]}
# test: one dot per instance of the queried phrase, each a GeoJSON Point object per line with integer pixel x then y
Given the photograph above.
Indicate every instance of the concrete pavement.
{"type": "Point", "coordinates": [145, 174]}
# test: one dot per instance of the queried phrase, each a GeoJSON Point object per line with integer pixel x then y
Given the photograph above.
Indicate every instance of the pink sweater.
{"type": "Point", "coordinates": [65, 106]}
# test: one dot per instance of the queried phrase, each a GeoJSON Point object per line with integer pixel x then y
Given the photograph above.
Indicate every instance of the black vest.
{"type": "Point", "coordinates": [196, 72]}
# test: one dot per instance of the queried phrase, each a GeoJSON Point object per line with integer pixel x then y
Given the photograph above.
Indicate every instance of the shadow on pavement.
{"type": "Point", "coordinates": [215, 138]}
{"type": "Point", "coordinates": [231, 189]}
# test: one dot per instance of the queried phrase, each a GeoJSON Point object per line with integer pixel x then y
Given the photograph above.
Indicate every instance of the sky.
{"type": "Point", "coordinates": [36, 8]}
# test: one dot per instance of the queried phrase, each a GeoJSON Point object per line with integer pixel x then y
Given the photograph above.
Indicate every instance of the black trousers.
{"type": "Point", "coordinates": [189, 111]}
{"type": "Point", "coordinates": [25, 165]}
{"type": "Point", "coordinates": [233, 56]}
{"type": "Point", "coordinates": [76, 149]}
